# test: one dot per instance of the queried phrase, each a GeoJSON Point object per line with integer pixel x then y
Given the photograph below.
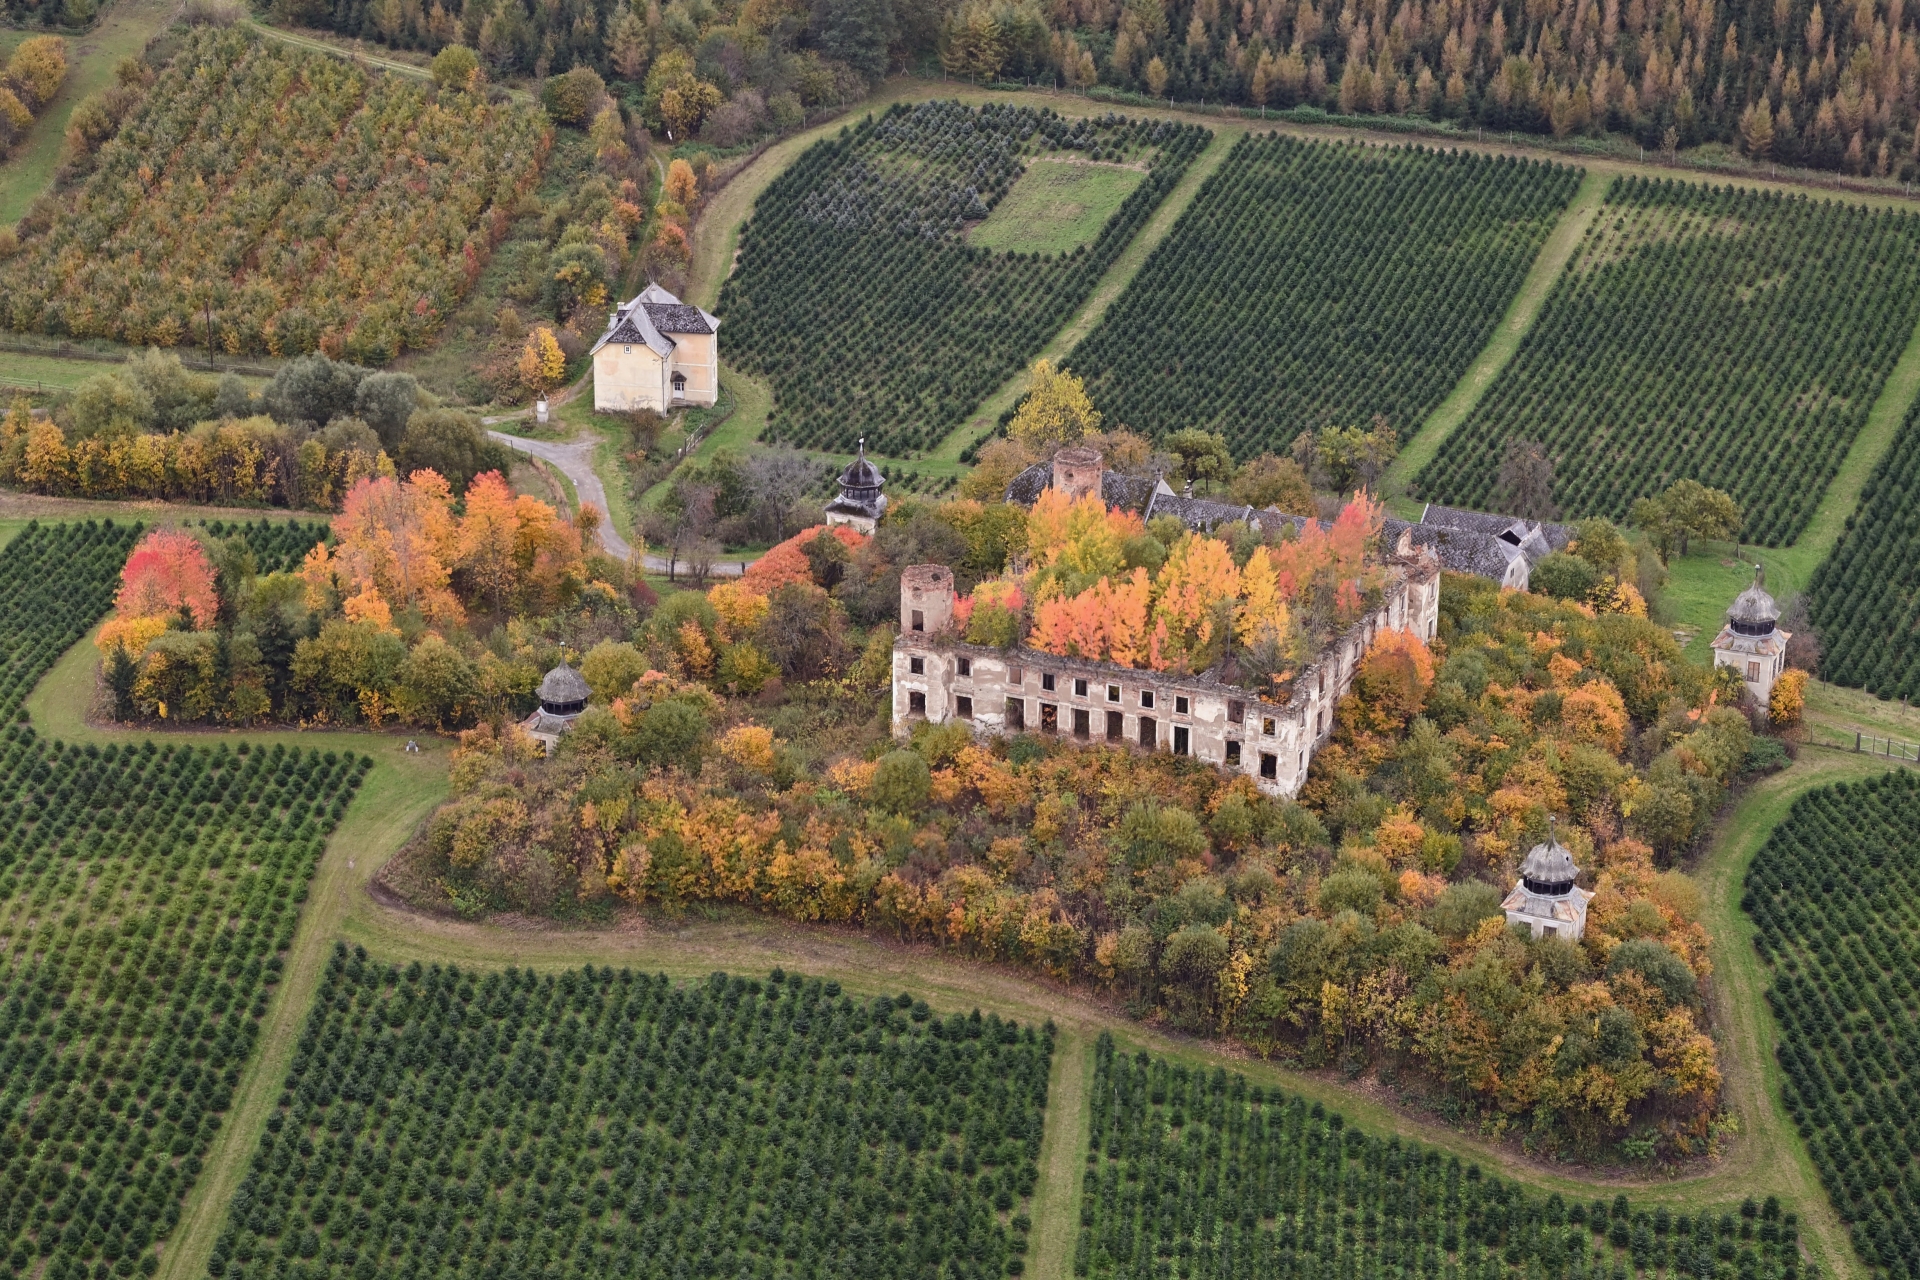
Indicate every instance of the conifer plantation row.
{"type": "Point", "coordinates": [858, 297]}
{"type": "Point", "coordinates": [1201, 1173]}
{"type": "Point", "coordinates": [593, 1123]}
{"type": "Point", "coordinates": [277, 546]}
{"type": "Point", "coordinates": [146, 894]}
{"type": "Point", "coordinates": [1738, 338]}
{"type": "Point", "coordinates": [1865, 597]}
{"type": "Point", "coordinates": [55, 582]}
{"type": "Point", "coordinates": [1833, 893]}
{"type": "Point", "coordinates": [1313, 284]}
{"type": "Point", "coordinates": [288, 201]}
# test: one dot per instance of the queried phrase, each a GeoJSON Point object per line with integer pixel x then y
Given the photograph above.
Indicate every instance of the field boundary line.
{"type": "Point", "coordinates": [1842, 498]}
{"type": "Point", "coordinates": [1063, 1154]}
{"type": "Point", "coordinates": [1548, 267]}
{"type": "Point", "coordinates": [1106, 291]}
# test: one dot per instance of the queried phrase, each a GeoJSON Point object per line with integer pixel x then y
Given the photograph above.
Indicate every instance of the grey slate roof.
{"type": "Point", "coordinates": [860, 486]}
{"type": "Point", "coordinates": [677, 317]}
{"type": "Point", "coordinates": [651, 317]}
{"type": "Point", "coordinates": [563, 685]}
{"type": "Point", "coordinates": [1510, 529]}
{"type": "Point", "coordinates": [1129, 493]}
{"type": "Point", "coordinates": [1754, 607]}
{"type": "Point", "coordinates": [1548, 863]}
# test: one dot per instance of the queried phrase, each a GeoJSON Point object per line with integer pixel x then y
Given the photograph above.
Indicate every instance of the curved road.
{"type": "Point", "coordinates": [575, 461]}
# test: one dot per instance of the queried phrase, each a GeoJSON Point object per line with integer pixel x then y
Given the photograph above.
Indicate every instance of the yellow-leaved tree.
{"type": "Point", "coordinates": [1056, 411]}
{"type": "Point", "coordinates": [542, 363]}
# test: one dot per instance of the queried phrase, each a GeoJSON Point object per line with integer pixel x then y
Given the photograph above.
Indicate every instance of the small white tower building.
{"type": "Point", "coordinates": [1547, 900]}
{"type": "Point", "coordinates": [1752, 642]}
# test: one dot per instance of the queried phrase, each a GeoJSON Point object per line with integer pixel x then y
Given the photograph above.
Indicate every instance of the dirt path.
{"type": "Point", "coordinates": [575, 461]}
{"type": "Point", "coordinates": [1499, 351]}
{"type": "Point", "coordinates": [1063, 1155]}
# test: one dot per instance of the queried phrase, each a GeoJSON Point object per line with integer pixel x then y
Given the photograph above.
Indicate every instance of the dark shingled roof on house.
{"type": "Point", "coordinates": [676, 317]}
{"type": "Point", "coordinates": [1129, 493]}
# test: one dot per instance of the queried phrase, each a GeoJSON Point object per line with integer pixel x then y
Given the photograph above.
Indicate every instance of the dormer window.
{"type": "Point", "coordinates": [1511, 538]}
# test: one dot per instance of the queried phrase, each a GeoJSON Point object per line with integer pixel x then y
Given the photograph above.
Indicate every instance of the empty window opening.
{"type": "Point", "coordinates": [1016, 713]}
{"type": "Point", "coordinates": [916, 666]}
{"type": "Point", "coordinates": [1233, 751]}
{"type": "Point", "coordinates": [1146, 732]}
{"type": "Point", "coordinates": [1046, 681]}
{"type": "Point", "coordinates": [1082, 725]}
{"type": "Point", "coordinates": [1181, 706]}
{"type": "Point", "coordinates": [1079, 688]}
{"type": "Point", "coordinates": [919, 620]}
{"type": "Point", "coordinates": [1180, 740]}
{"type": "Point", "coordinates": [1146, 699]}
{"type": "Point", "coordinates": [1269, 765]}
{"type": "Point", "coordinates": [963, 707]}
{"type": "Point", "coordinates": [1049, 718]}
{"type": "Point", "coordinates": [1116, 726]}
{"type": "Point", "coordinates": [966, 666]}
{"type": "Point", "coordinates": [1236, 712]}
{"type": "Point", "coordinates": [1266, 726]}
{"type": "Point", "coordinates": [1113, 693]}
{"type": "Point", "coordinates": [916, 704]}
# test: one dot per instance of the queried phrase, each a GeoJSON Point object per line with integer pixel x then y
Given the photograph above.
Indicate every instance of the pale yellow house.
{"type": "Point", "coordinates": [657, 353]}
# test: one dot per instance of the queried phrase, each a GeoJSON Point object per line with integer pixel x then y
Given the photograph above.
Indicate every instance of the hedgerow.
{"type": "Point", "coordinates": [858, 297]}
{"type": "Point", "coordinates": [145, 896]}
{"type": "Point", "coordinates": [1237, 1180]}
{"type": "Point", "coordinates": [1833, 893]}
{"type": "Point", "coordinates": [1312, 284]}
{"type": "Point", "coordinates": [598, 1123]}
{"type": "Point", "coordinates": [291, 200]}
{"type": "Point", "coordinates": [1864, 595]}
{"type": "Point", "coordinates": [1733, 337]}
{"type": "Point", "coordinates": [55, 582]}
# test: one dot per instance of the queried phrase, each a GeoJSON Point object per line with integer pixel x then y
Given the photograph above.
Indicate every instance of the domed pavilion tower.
{"type": "Point", "coordinates": [1752, 642]}
{"type": "Point", "coordinates": [563, 696]}
{"type": "Point", "coordinates": [1547, 900]}
{"type": "Point", "coordinates": [860, 504]}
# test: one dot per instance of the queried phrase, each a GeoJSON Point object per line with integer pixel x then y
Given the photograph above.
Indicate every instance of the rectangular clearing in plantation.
{"type": "Point", "coordinates": [1737, 338]}
{"type": "Point", "coordinates": [1056, 206]}
{"type": "Point", "coordinates": [1313, 284]}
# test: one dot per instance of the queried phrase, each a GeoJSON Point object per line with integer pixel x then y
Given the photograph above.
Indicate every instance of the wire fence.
{"type": "Point", "coordinates": [1863, 743]}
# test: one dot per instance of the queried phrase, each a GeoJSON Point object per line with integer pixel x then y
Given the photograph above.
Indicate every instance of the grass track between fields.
{"type": "Point", "coordinates": [1499, 351]}
{"type": "Point", "coordinates": [1063, 1154]}
{"type": "Point", "coordinates": [123, 31]}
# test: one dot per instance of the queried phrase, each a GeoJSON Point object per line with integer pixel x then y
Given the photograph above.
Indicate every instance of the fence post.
{"type": "Point", "coordinates": [1856, 742]}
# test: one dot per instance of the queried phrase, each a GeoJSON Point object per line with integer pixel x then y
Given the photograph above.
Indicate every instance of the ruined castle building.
{"type": "Point", "coordinates": [939, 677]}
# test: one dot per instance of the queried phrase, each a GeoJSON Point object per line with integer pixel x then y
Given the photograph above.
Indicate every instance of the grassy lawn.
{"type": "Point", "coordinates": [1056, 206]}
{"type": "Point", "coordinates": [123, 32]}
{"type": "Point", "coordinates": [578, 419]}
{"type": "Point", "coordinates": [1702, 583]}
{"type": "Point", "coordinates": [57, 373]}
{"type": "Point", "coordinates": [1499, 350]}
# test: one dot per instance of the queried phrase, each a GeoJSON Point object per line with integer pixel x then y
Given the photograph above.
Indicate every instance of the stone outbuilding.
{"type": "Point", "coordinates": [658, 353]}
{"type": "Point", "coordinates": [563, 696]}
{"type": "Point", "coordinates": [1547, 900]}
{"type": "Point", "coordinates": [860, 504]}
{"type": "Point", "coordinates": [1752, 642]}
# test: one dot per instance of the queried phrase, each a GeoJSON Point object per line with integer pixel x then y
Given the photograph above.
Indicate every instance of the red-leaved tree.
{"type": "Point", "coordinates": [167, 570]}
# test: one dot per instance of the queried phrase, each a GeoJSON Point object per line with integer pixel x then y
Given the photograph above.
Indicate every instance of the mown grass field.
{"type": "Point", "coordinates": [1056, 206]}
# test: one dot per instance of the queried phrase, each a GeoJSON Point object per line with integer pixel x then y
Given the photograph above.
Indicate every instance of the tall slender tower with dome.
{"type": "Point", "coordinates": [860, 502]}
{"type": "Point", "coordinates": [1752, 642]}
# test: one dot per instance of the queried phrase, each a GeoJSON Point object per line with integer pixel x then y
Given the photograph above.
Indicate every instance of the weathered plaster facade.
{"type": "Point", "coordinates": [657, 353]}
{"type": "Point", "coordinates": [939, 677]}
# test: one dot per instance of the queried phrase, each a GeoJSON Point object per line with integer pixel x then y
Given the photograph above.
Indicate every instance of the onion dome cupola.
{"type": "Point", "coordinates": [564, 692]}
{"type": "Point", "coordinates": [860, 502]}
{"type": "Point", "coordinates": [1753, 612]}
{"type": "Point", "coordinates": [1548, 870]}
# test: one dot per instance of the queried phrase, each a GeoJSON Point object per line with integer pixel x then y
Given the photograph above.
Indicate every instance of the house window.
{"type": "Point", "coordinates": [1233, 751]}
{"type": "Point", "coordinates": [1180, 705]}
{"type": "Point", "coordinates": [919, 620]}
{"type": "Point", "coordinates": [1082, 724]}
{"type": "Point", "coordinates": [1180, 740]}
{"type": "Point", "coordinates": [1302, 766]}
{"type": "Point", "coordinates": [1046, 681]}
{"type": "Point", "coordinates": [1236, 712]}
{"type": "Point", "coordinates": [916, 704]}
{"type": "Point", "coordinates": [963, 707]}
{"type": "Point", "coordinates": [1113, 693]}
{"type": "Point", "coordinates": [916, 666]}
{"type": "Point", "coordinates": [1015, 675]}
{"type": "Point", "coordinates": [1146, 699]}
{"type": "Point", "coordinates": [1016, 713]}
{"type": "Point", "coordinates": [679, 384]}
{"type": "Point", "coordinates": [1269, 765]}
{"type": "Point", "coordinates": [1753, 671]}
{"type": "Point", "coordinates": [626, 351]}
{"type": "Point", "coordinates": [966, 666]}
{"type": "Point", "coordinates": [1079, 688]}
{"type": "Point", "coordinates": [1049, 718]}
{"type": "Point", "coordinates": [1146, 732]}
{"type": "Point", "coordinates": [1116, 726]}
{"type": "Point", "coordinates": [1266, 726]}
{"type": "Point", "coordinates": [1319, 721]}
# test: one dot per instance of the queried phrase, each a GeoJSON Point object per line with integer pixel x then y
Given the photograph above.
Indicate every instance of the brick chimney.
{"type": "Point", "coordinates": [1078, 472]}
{"type": "Point", "coordinates": [926, 599]}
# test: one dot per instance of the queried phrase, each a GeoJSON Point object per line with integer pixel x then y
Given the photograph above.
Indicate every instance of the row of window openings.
{"type": "Point", "coordinates": [1016, 719]}
{"type": "Point", "coordinates": [1236, 711]}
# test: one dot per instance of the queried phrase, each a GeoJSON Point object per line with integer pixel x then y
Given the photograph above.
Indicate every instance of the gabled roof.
{"type": "Point", "coordinates": [1538, 539]}
{"type": "Point", "coordinates": [651, 317]}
